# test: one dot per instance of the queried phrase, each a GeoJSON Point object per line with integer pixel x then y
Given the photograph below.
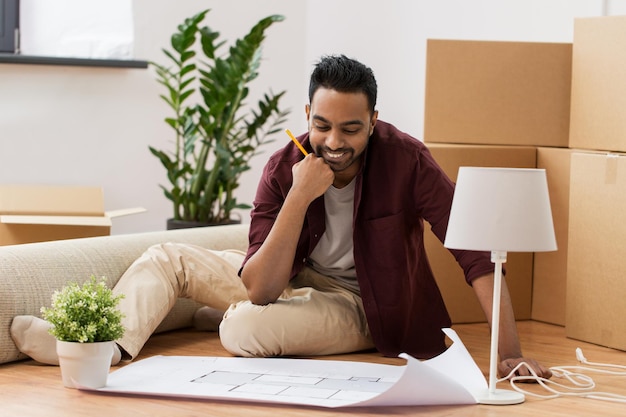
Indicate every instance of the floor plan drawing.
{"type": "Point", "coordinates": [293, 384]}
{"type": "Point", "coordinates": [450, 378]}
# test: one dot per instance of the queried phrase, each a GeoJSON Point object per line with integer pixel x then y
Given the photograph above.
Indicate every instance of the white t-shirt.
{"type": "Point", "coordinates": [334, 254]}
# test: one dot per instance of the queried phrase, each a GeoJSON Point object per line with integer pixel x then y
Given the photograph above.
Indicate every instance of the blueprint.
{"type": "Point", "coordinates": [451, 378]}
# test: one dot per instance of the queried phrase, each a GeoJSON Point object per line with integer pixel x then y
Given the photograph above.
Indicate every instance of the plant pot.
{"type": "Point", "coordinates": [173, 224]}
{"type": "Point", "coordinates": [85, 364]}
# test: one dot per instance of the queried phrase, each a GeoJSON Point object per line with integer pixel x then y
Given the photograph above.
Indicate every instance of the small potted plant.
{"type": "Point", "coordinates": [86, 322]}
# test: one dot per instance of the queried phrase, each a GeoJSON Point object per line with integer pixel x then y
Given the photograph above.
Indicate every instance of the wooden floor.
{"type": "Point", "coordinates": [31, 390]}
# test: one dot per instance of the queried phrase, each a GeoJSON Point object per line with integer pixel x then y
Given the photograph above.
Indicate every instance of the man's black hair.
{"type": "Point", "coordinates": [340, 73]}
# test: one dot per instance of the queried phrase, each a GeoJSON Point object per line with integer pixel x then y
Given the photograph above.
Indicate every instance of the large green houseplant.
{"type": "Point", "coordinates": [216, 131]}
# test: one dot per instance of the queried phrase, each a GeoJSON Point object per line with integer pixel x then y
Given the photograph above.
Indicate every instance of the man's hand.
{"type": "Point", "coordinates": [311, 178]}
{"type": "Point", "coordinates": [506, 366]}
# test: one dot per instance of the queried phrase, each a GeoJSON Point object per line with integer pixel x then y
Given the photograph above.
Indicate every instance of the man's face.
{"type": "Point", "coordinates": [340, 125]}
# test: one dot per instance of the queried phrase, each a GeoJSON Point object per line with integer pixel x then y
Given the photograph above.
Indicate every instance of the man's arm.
{"type": "Point", "coordinates": [509, 347]}
{"type": "Point", "coordinates": [267, 272]}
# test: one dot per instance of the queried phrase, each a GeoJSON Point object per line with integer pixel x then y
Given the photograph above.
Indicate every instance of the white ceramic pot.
{"type": "Point", "coordinates": [85, 364]}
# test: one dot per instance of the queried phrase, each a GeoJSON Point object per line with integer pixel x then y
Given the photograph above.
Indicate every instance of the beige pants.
{"type": "Point", "coordinates": [313, 316]}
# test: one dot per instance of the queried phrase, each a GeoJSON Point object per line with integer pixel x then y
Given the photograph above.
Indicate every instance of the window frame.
{"type": "Point", "coordinates": [9, 26]}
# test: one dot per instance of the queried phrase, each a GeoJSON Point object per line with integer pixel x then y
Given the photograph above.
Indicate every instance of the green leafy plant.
{"type": "Point", "coordinates": [216, 132]}
{"type": "Point", "coordinates": [86, 313]}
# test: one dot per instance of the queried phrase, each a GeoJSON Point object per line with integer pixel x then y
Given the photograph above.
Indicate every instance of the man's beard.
{"type": "Point", "coordinates": [337, 164]}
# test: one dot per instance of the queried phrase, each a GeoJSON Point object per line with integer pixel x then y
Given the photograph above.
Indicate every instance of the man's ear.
{"type": "Point", "coordinates": [373, 121]}
{"type": "Point", "coordinates": [307, 110]}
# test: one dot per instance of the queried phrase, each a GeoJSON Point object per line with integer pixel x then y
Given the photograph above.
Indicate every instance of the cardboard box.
{"type": "Point", "coordinates": [550, 268]}
{"type": "Point", "coordinates": [459, 297]}
{"type": "Point", "coordinates": [30, 213]}
{"type": "Point", "coordinates": [506, 93]}
{"type": "Point", "coordinates": [599, 84]}
{"type": "Point", "coordinates": [596, 288]}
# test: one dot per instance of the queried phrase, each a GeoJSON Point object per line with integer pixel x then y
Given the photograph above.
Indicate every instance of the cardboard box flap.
{"type": "Point", "coordinates": [51, 200]}
{"type": "Point", "coordinates": [124, 212]}
{"type": "Point", "coordinates": [104, 220]}
{"type": "Point", "coordinates": [56, 220]}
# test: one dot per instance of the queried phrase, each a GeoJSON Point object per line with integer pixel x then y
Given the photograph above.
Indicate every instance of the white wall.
{"type": "Point", "coordinates": [92, 126]}
{"type": "Point", "coordinates": [392, 38]}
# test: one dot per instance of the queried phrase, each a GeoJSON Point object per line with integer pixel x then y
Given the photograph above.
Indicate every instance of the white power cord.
{"type": "Point", "coordinates": [581, 358]}
{"type": "Point", "coordinates": [579, 385]}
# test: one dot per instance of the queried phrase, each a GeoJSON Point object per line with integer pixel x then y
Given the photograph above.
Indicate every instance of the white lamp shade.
{"type": "Point", "coordinates": [501, 209]}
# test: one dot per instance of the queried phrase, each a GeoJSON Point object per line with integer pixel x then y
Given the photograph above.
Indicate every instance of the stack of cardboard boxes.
{"type": "Point", "coordinates": [496, 104]}
{"type": "Point", "coordinates": [556, 106]}
{"type": "Point", "coordinates": [596, 281]}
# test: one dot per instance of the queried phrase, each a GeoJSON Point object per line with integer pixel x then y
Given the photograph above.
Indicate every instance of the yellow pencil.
{"type": "Point", "coordinates": [293, 138]}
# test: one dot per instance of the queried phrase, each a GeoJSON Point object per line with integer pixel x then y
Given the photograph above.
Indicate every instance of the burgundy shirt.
{"type": "Point", "coordinates": [398, 187]}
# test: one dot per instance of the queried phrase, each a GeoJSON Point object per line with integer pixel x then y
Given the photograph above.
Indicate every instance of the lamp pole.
{"type": "Point", "coordinates": [494, 396]}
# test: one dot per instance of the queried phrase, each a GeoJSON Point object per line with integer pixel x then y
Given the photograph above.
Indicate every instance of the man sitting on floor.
{"type": "Point", "coordinates": [336, 260]}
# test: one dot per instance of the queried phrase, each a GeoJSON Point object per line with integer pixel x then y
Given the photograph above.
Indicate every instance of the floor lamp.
{"type": "Point", "coordinates": [500, 210]}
